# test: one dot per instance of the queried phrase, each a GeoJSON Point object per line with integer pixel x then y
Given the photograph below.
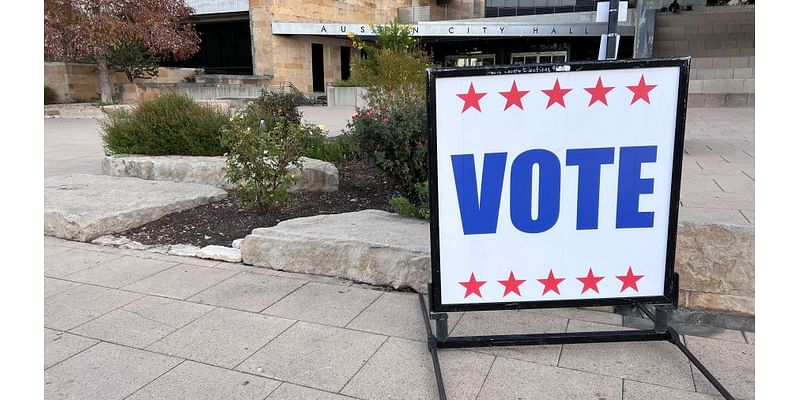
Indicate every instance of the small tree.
{"type": "Point", "coordinates": [134, 60]}
{"type": "Point", "coordinates": [79, 28]}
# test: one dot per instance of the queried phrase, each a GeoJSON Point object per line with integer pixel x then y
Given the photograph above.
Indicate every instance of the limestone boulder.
{"type": "Point", "coordinates": [370, 246]}
{"type": "Point", "coordinates": [221, 253]}
{"type": "Point", "coordinates": [85, 207]}
{"type": "Point", "coordinates": [314, 176]}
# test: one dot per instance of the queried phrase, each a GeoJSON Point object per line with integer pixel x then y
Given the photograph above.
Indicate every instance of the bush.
{"type": "Point", "coordinates": [406, 208]}
{"type": "Point", "coordinates": [395, 138]}
{"type": "Point", "coordinates": [260, 160]}
{"type": "Point", "coordinates": [169, 124]}
{"type": "Point", "coordinates": [50, 95]}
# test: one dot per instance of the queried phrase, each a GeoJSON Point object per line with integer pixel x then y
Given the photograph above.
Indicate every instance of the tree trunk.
{"type": "Point", "coordinates": [105, 82]}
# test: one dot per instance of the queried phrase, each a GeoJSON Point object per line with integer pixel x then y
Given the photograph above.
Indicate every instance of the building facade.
{"type": "Point", "coordinates": [305, 42]}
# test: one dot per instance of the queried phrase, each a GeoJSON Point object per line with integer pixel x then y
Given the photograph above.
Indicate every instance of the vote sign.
{"type": "Point", "coordinates": [555, 185]}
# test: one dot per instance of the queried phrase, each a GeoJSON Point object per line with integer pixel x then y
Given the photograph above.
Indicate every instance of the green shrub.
{"type": "Point", "coordinates": [260, 160]}
{"type": "Point", "coordinates": [406, 208]}
{"type": "Point", "coordinates": [396, 139]}
{"type": "Point", "coordinates": [169, 124]}
{"type": "Point", "coordinates": [270, 105]}
{"type": "Point", "coordinates": [50, 95]}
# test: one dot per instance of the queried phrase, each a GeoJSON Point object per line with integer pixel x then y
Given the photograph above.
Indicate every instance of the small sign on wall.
{"type": "Point", "coordinates": [555, 185]}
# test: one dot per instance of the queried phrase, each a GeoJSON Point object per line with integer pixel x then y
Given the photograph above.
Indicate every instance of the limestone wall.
{"type": "Point", "coordinates": [289, 58]}
{"type": "Point", "coordinates": [73, 81]}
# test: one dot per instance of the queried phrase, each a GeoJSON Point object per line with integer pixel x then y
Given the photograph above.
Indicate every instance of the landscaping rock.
{"type": "Point", "coordinates": [315, 176]}
{"type": "Point", "coordinates": [237, 244]}
{"type": "Point", "coordinates": [184, 250]}
{"type": "Point", "coordinates": [715, 261]}
{"type": "Point", "coordinates": [221, 253]}
{"type": "Point", "coordinates": [85, 207]}
{"type": "Point", "coordinates": [121, 242]}
{"type": "Point", "coordinates": [370, 246]}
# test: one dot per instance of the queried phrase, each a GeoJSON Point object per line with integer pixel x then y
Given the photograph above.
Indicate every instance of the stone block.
{"type": "Point", "coordinates": [85, 207]}
{"type": "Point", "coordinates": [716, 258]}
{"type": "Point", "coordinates": [221, 253]}
{"type": "Point", "coordinates": [315, 175]}
{"type": "Point", "coordinates": [736, 100]}
{"type": "Point", "coordinates": [721, 302]}
{"type": "Point", "coordinates": [370, 246]}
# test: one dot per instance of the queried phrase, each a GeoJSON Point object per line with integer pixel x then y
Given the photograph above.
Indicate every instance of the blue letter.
{"type": "Point", "coordinates": [631, 186]}
{"type": "Point", "coordinates": [589, 162]}
{"type": "Point", "coordinates": [549, 190]}
{"type": "Point", "coordinates": [479, 216]}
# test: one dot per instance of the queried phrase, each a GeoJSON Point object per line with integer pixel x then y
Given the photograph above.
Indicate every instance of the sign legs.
{"type": "Point", "coordinates": [661, 331]}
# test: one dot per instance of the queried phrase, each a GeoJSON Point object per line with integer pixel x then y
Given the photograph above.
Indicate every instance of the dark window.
{"type": "Point", "coordinates": [345, 58]}
{"type": "Point", "coordinates": [317, 68]}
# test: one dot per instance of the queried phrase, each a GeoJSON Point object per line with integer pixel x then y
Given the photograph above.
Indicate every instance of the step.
{"type": "Point", "coordinates": [721, 73]}
{"type": "Point", "coordinates": [722, 86]}
{"type": "Point", "coordinates": [666, 51]}
{"type": "Point", "coordinates": [722, 100]}
{"type": "Point", "coordinates": [723, 62]}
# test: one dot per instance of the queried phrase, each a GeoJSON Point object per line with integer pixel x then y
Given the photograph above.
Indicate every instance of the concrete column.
{"type": "Point", "coordinates": [645, 28]}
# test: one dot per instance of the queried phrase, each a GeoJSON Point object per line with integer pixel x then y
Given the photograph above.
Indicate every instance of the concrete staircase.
{"type": "Point", "coordinates": [721, 41]}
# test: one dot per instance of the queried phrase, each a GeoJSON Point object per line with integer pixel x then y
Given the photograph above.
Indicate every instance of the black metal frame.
{"type": "Point", "coordinates": [661, 331]}
{"type": "Point", "coordinates": [670, 287]}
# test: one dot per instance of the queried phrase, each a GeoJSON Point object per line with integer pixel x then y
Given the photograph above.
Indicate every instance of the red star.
{"type": "Point", "coordinates": [629, 280]}
{"type": "Point", "coordinates": [590, 282]}
{"type": "Point", "coordinates": [556, 95]}
{"type": "Point", "coordinates": [473, 286]}
{"type": "Point", "coordinates": [514, 96]}
{"type": "Point", "coordinates": [512, 284]}
{"type": "Point", "coordinates": [599, 92]}
{"type": "Point", "coordinates": [551, 283]}
{"type": "Point", "coordinates": [471, 99]}
{"type": "Point", "coordinates": [641, 91]}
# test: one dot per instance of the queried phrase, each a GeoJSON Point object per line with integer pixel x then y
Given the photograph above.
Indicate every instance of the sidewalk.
{"type": "Point", "coordinates": [138, 325]}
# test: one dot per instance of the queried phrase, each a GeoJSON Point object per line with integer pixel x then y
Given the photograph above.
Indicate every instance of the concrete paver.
{"type": "Point", "coordinates": [181, 281]}
{"type": "Point", "coordinates": [324, 304]}
{"type": "Point", "coordinates": [732, 364]}
{"type": "Point", "coordinates": [209, 351]}
{"type": "Point", "coordinates": [53, 286]}
{"type": "Point", "coordinates": [59, 346]}
{"type": "Point", "coordinates": [463, 372]}
{"type": "Point", "coordinates": [73, 260]}
{"type": "Point", "coordinates": [222, 337]}
{"type": "Point", "coordinates": [658, 363]}
{"type": "Point", "coordinates": [143, 322]}
{"type": "Point", "coordinates": [393, 314]}
{"type": "Point", "coordinates": [105, 371]}
{"type": "Point", "coordinates": [248, 291]}
{"type": "Point", "coordinates": [288, 391]}
{"type": "Point", "coordinates": [513, 379]}
{"type": "Point", "coordinates": [195, 381]}
{"type": "Point", "coordinates": [632, 390]}
{"type": "Point", "coordinates": [83, 304]}
{"type": "Point", "coordinates": [318, 356]}
{"type": "Point", "coordinates": [119, 272]}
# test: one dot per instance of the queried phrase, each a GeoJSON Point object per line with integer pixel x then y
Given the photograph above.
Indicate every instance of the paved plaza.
{"type": "Point", "coordinates": [125, 324]}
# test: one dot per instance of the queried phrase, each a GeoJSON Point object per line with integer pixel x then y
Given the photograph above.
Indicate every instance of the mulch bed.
{"type": "Point", "coordinates": [361, 186]}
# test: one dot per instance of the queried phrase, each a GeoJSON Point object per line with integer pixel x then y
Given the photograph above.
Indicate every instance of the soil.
{"type": "Point", "coordinates": [361, 186]}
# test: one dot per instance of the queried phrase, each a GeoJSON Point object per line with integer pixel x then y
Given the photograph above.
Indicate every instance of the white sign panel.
{"type": "Point", "coordinates": [554, 186]}
{"type": "Point", "coordinates": [602, 12]}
